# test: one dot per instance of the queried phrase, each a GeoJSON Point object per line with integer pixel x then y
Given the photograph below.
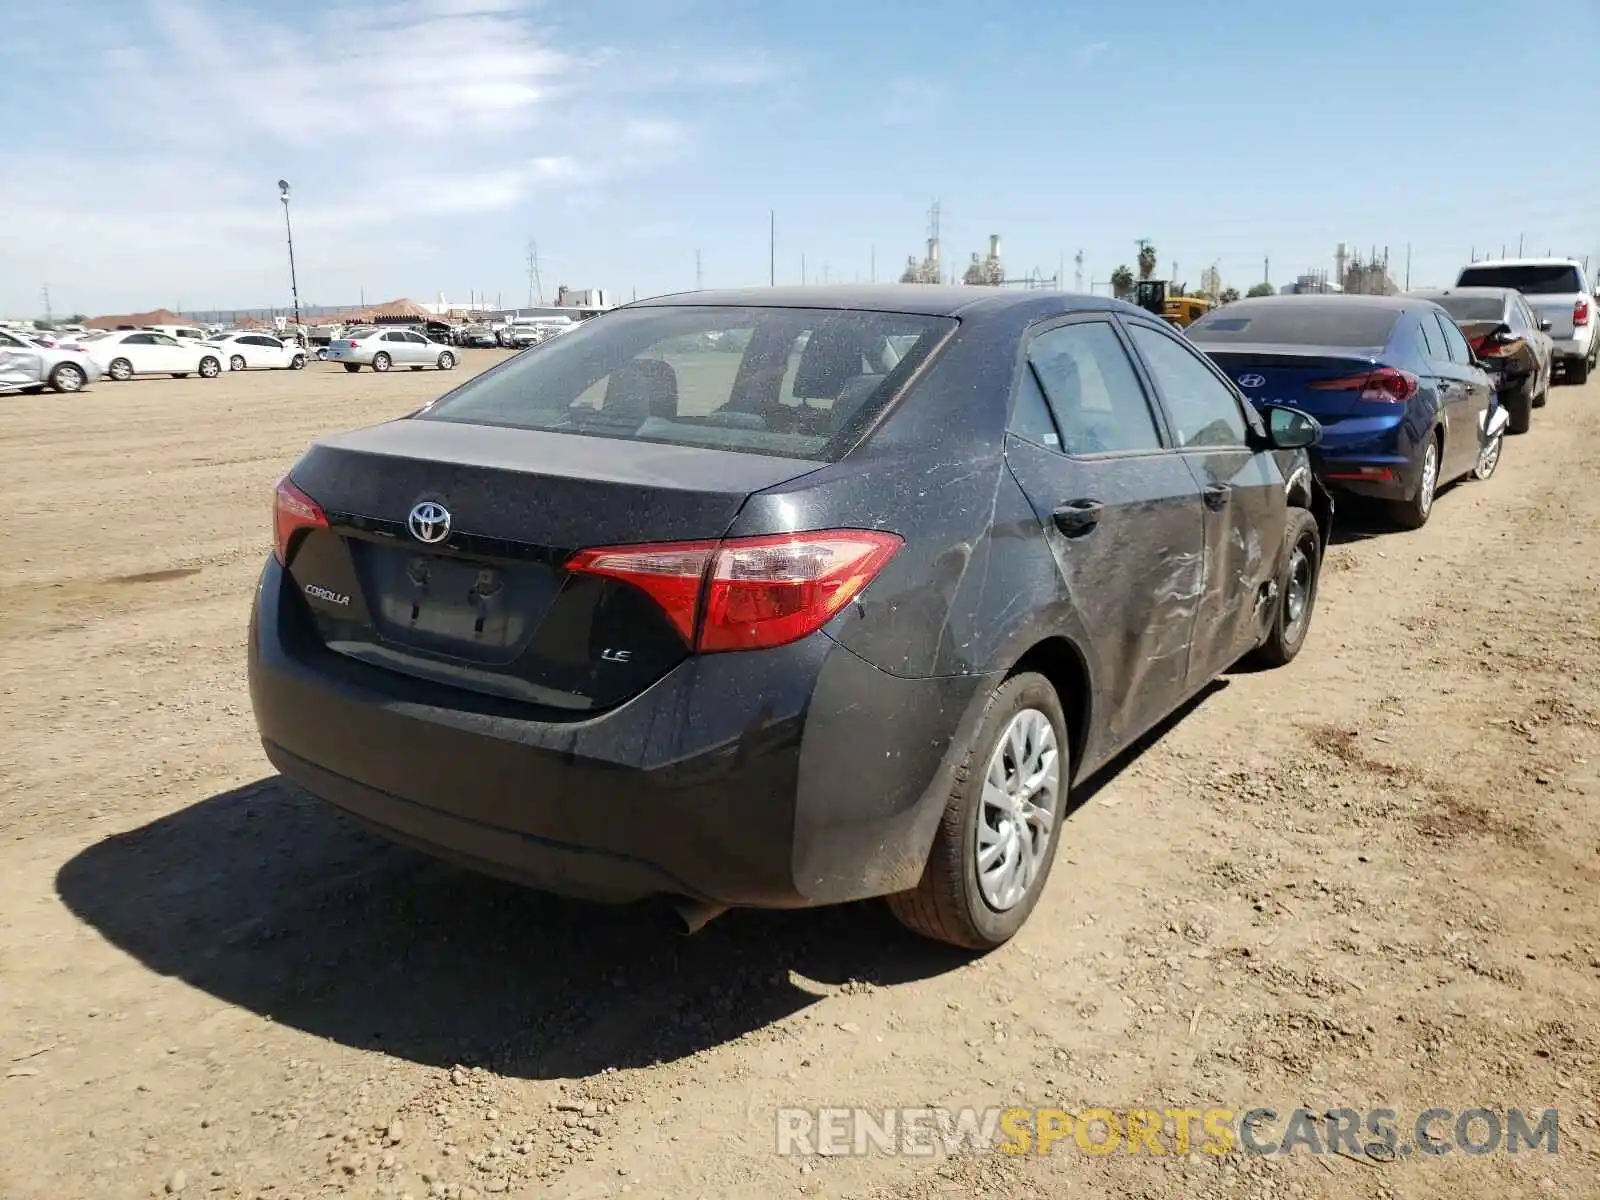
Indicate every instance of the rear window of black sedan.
{"type": "Point", "coordinates": [793, 382]}
{"type": "Point", "coordinates": [1298, 322]}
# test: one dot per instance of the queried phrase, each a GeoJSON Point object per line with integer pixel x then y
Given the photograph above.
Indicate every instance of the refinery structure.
{"type": "Point", "coordinates": [984, 270]}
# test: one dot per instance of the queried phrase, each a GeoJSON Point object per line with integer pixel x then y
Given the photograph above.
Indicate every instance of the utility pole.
{"type": "Point", "coordinates": [1266, 270]}
{"type": "Point", "coordinates": [45, 292]}
{"type": "Point", "coordinates": [294, 285]}
{"type": "Point", "coordinates": [1519, 245]}
{"type": "Point", "coordinates": [1077, 271]}
{"type": "Point", "coordinates": [698, 276]}
{"type": "Point", "coordinates": [873, 274]}
{"type": "Point", "coordinates": [772, 248]}
{"type": "Point", "coordinates": [802, 267]}
{"type": "Point", "coordinates": [1408, 266]}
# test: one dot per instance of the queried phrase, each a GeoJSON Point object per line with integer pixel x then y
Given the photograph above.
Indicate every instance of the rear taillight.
{"type": "Point", "coordinates": [1385, 385]}
{"type": "Point", "coordinates": [1495, 345]}
{"type": "Point", "coordinates": [748, 593]}
{"type": "Point", "coordinates": [292, 511]}
{"type": "Point", "coordinates": [1580, 311]}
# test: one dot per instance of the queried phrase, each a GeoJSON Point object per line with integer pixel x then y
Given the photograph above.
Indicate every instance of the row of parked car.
{"type": "Point", "coordinates": [851, 614]}
{"type": "Point", "coordinates": [35, 362]}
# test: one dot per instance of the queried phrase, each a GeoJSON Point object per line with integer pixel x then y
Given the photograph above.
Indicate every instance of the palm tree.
{"type": "Point", "coordinates": [1229, 295]}
{"type": "Point", "coordinates": [1122, 282]}
{"type": "Point", "coordinates": [1147, 259]}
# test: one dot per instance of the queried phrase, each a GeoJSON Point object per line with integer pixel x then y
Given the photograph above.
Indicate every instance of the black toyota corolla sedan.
{"type": "Point", "coordinates": [781, 597]}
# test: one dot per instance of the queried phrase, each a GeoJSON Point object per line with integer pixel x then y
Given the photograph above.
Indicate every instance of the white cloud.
{"type": "Point", "coordinates": [380, 112]}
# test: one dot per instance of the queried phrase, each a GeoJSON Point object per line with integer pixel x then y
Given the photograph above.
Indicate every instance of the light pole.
{"type": "Point", "coordinates": [294, 285]}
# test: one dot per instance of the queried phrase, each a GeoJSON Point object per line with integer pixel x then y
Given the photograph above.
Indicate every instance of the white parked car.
{"type": "Point", "coordinates": [129, 352]}
{"type": "Point", "coordinates": [1562, 298]}
{"type": "Point", "coordinates": [247, 351]}
{"type": "Point", "coordinates": [380, 349]}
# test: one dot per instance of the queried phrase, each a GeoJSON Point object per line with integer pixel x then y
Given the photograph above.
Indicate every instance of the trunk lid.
{"type": "Point", "coordinates": [487, 604]}
{"type": "Point", "coordinates": [1277, 374]}
{"type": "Point", "coordinates": [1555, 309]}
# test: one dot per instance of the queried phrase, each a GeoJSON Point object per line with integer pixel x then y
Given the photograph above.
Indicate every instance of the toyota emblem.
{"type": "Point", "coordinates": [429, 522]}
{"type": "Point", "coordinates": [1251, 381]}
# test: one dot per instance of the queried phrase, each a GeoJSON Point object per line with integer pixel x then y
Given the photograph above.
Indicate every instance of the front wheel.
{"type": "Point", "coordinates": [381, 361]}
{"type": "Point", "coordinates": [446, 361]}
{"type": "Point", "coordinates": [68, 378]}
{"type": "Point", "coordinates": [236, 363]}
{"type": "Point", "coordinates": [1489, 457]}
{"type": "Point", "coordinates": [997, 839]}
{"type": "Point", "coordinates": [352, 368]}
{"type": "Point", "coordinates": [1414, 513]}
{"type": "Point", "coordinates": [297, 363]}
{"type": "Point", "coordinates": [210, 368]}
{"type": "Point", "coordinates": [1297, 591]}
{"type": "Point", "coordinates": [120, 369]}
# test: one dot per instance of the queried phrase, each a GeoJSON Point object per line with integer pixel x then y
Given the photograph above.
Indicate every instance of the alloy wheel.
{"type": "Point", "coordinates": [1021, 797]}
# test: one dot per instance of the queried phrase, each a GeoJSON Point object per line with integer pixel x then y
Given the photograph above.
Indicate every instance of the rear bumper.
{"type": "Point", "coordinates": [779, 778]}
{"type": "Point", "coordinates": [1575, 348]}
{"type": "Point", "coordinates": [1375, 457]}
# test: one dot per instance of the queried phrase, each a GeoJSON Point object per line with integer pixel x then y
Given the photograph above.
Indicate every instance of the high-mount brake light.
{"type": "Point", "coordinates": [292, 511]}
{"type": "Point", "coordinates": [748, 593]}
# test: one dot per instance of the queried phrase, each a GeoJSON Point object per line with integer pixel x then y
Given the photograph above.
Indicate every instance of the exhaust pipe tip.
{"type": "Point", "coordinates": [689, 917]}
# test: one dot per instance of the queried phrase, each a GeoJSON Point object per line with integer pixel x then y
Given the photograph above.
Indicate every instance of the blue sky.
{"type": "Point", "coordinates": [428, 140]}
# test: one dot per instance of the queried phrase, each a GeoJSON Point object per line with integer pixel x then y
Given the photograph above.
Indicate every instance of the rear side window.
{"type": "Point", "coordinates": [1203, 409]}
{"type": "Point", "coordinates": [1554, 279]}
{"type": "Point", "coordinates": [1098, 402]}
{"type": "Point", "coordinates": [1432, 342]}
{"type": "Point", "coordinates": [1460, 352]}
{"type": "Point", "coordinates": [1296, 321]}
{"type": "Point", "coordinates": [792, 382]}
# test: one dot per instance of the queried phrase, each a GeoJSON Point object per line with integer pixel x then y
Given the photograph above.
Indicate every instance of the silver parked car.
{"type": "Point", "coordinates": [1509, 341]}
{"type": "Point", "coordinates": [381, 349]}
{"type": "Point", "coordinates": [28, 365]}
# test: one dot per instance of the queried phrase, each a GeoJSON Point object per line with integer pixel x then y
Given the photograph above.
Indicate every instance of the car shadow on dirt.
{"type": "Point", "coordinates": [269, 899]}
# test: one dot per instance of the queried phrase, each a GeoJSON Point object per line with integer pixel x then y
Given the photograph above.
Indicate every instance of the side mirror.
{"type": "Point", "coordinates": [1546, 326]}
{"type": "Point", "coordinates": [1291, 429]}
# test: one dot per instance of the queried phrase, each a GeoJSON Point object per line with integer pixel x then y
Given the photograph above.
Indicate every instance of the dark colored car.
{"type": "Point", "coordinates": [1401, 398]}
{"type": "Point", "coordinates": [781, 597]}
{"type": "Point", "coordinates": [1513, 345]}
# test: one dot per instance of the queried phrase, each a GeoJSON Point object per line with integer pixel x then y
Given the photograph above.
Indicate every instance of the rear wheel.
{"type": "Point", "coordinates": [236, 363]}
{"type": "Point", "coordinates": [997, 839]}
{"type": "Point", "coordinates": [446, 361]}
{"type": "Point", "coordinates": [352, 367]}
{"type": "Point", "coordinates": [120, 369]}
{"type": "Point", "coordinates": [381, 361]}
{"type": "Point", "coordinates": [210, 368]}
{"type": "Point", "coordinates": [1489, 457]}
{"type": "Point", "coordinates": [68, 378]}
{"type": "Point", "coordinates": [1414, 513]}
{"type": "Point", "coordinates": [1297, 591]}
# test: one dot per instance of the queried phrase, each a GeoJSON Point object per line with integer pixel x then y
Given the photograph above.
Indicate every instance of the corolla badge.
{"type": "Point", "coordinates": [429, 522]}
{"type": "Point", "coordinates": [1251, 381]}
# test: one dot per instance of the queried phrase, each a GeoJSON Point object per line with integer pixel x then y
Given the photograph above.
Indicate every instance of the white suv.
{"type": "Point", "coordinates": [1563, 301]}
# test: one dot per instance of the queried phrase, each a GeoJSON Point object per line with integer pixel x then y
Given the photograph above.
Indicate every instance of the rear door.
{"type": "Point", "coordinates": [1464, 396]}
{"type": "Point", "coordinates": [143, 353]}
{"type": "Point", "coordinates": [21, 365]}
{"type": "Point", "coordinates": [1121, 513]}
{"type": "Point", "coordinates": [420, 348]}
{"type": "Point", "coordinates": [1242, 491]}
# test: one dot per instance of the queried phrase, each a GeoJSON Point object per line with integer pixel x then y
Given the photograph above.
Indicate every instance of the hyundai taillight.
{"type": "Point", "coordinates": [1580, 312]}
{"type": "Point", "coordinates": [292, 511]}
{"type": "Point", "coordinates": [1384, 385]}
{"type": "Point", "coordinates": [748, 593]}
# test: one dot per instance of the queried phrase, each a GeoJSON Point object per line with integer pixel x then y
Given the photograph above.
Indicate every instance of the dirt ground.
{"type": "Point", "coordinates": [1366, 880]}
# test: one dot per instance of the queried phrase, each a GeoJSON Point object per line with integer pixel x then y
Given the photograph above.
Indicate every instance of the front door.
{"type": "Point", "coordinates": [1121, 514]}
{"type": "Point", "coordinates": [1242, 492]}
{"type": "Point", "coordinates": [21, 364]}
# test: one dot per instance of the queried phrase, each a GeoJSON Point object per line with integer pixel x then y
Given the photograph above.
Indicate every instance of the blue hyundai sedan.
{"type": "Point", "coordinates": [1401, 399]}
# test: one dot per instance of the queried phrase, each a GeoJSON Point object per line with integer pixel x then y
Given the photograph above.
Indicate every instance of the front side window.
{"type": "Point", "coordinates": [795, 382]}
{"type": "Point", "coordinates": [1204, 411]}
{"type": "Point", "coordinates": [1098, 402]}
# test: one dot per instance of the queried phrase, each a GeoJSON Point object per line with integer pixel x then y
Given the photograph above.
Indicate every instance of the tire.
{"type": "Point", "coordinates": [1544, 395]}
{"type": "Point", "coordinates": [381, 361]}
{"type": "Point", "coordinates": [352, 367]}
{"type": "Point", "coordinates": [447, 361]}
{"type": "Point", "coordinates": [1297, 591]}
{"type": "Point", "coordinates": [1578, 372]}
{"type": "Point", "coordinates": [297, 363]}
{"type": "Point", "coordinates": [120, 369]}
{"type": "Point", "coordinates": [236, 363]}
{"type": "Point", "coordinates": [67, 378]}
{"type": "Point", "coordinates": [1413, 513]}
{"type": "Point", "coordinates": [1489, 458]}
{"type": "Point", "coordinates": [1520, 407]}
{"type": "Point", "coordinates": [950, 904]}
{"type": "Point", "coordinates": [210, 367]}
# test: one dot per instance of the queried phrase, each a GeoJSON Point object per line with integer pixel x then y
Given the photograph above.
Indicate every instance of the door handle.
{"type": "Point", "coordinates": [1217, 495]}
{"type": "Point", "coordinates": [1078, 517]}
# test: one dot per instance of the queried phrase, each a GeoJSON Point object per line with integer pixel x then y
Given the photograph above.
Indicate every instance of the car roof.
{"type": "Point", "coordinates": [1398, 303]}
{"type": "Point", "coordinates": [937, 300]}
{"type": "Point", "coordinates": [1523, 262]}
